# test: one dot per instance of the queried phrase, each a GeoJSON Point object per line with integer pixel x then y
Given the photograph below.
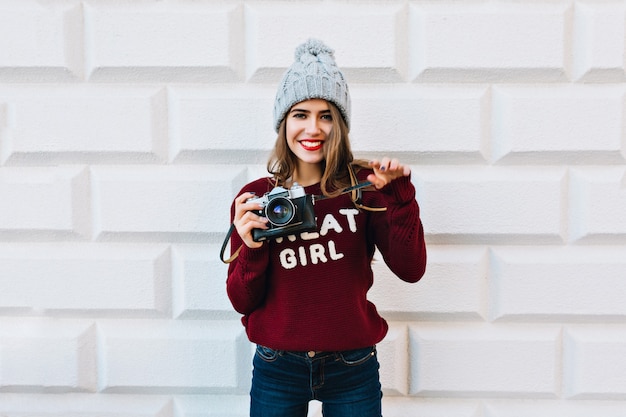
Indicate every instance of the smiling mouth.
{"type": "Point", "coordinates": [312, 145]}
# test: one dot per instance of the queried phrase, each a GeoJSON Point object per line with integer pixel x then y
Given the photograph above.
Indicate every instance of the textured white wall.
{"type": "Point", "coordinates": [127, 127]}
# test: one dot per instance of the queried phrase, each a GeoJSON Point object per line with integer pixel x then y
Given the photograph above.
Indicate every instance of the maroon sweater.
{"type": "Point", "coordinates": [309, 292]}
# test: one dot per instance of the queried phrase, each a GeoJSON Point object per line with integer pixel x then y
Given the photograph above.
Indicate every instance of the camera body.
{"type": "Point", "coordinates": [289, 211]}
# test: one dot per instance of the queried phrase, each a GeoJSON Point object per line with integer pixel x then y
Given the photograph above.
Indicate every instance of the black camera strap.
{"type": "Point", "coordinates": [346, 190]}
{"type": "Point", "coordinates": [355, 198]}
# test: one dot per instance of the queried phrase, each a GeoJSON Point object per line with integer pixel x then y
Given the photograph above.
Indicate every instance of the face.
{"type": "Point", "coordinates": [308, 126]}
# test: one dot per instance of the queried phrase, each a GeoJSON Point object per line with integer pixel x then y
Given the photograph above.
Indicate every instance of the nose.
{"type": "Point", "coordinates": [312, 127]}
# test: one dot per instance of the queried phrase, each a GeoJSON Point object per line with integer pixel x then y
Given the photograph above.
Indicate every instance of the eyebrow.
{"type": "Point", "coordinates": [308, 111]}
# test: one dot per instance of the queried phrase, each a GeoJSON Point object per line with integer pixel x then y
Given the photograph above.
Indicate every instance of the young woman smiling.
{"type": "Point", "coordinates": [303, 295]}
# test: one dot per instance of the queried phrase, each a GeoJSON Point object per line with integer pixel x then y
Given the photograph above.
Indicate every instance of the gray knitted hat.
{"type": "Point", "coordinates": [314, 74]}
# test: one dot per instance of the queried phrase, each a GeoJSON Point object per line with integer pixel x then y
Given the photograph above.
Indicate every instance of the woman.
{"type": "Point", "coordinates": [303, 294]}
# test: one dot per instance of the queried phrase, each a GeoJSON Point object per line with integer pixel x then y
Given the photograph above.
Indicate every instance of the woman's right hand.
{"type": "Point", "coordinates": [246, 219]}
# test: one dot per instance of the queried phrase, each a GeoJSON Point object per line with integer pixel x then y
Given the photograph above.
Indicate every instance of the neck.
{"type": "Point", "coordinates": [308, 174]}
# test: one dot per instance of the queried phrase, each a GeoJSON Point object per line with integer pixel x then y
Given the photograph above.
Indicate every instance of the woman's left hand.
{"type": "Point", "coordinates": [386, 171]}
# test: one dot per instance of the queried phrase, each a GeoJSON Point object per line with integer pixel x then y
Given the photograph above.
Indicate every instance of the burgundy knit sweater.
{"type": "Point", "coordinates": [309, 292]}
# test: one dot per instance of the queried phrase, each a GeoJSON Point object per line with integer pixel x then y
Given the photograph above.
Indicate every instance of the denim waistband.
{"type": "Point", "coordinates": [312, 354]}
{"type": "Point", "coordinates": [317, 354]}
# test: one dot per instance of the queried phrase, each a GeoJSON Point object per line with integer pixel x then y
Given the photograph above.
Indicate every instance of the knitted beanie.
{"type": "Point", "coordinates": [314, 74]}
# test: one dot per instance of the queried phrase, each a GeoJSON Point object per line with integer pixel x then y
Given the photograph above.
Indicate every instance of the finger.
{"type": "Point", "coordinates": [384, 164]}
{"type": "Point", "coordinates": [245, 233]}
{"type": "Point", "coordinates": [381, 166]}
{"type": "Point", "coordinates": [240, 203]}
{"type": "Point", "coordinates": [247, 224]}
{"type": "Point", "coordinates": [244, 197]}
{"type": "Point", "coordinates": [251, 217]}
{"type": "Point", "coordinates": [249, 207]}
{"type": "Point", "coordinates": [400, 169]}
{"type": "Point", "coordinates": [243, 205]}
{"type": "Point", "coordinates": [376, 181]}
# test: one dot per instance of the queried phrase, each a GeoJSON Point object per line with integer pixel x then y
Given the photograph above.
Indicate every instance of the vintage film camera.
{"type": "Point", "coordinates": [289, 211]}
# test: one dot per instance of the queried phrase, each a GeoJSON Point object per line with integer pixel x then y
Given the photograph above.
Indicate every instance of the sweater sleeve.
{"type": "Point", "coordinates": [246, 281]}
{"type": "Point", "coordinates": [399, 234]}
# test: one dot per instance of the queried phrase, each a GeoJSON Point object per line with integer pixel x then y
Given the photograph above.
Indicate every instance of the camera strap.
{"type": "Point", "coordinates": [346, 190]}
{"type": "Point", "coordinates": [225, 244]}
{"type": "Point", "coordinates": [356, 189]}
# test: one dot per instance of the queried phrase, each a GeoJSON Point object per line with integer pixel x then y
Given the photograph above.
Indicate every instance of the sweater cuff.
{"type": "Point", "coordinates": [399, 191]}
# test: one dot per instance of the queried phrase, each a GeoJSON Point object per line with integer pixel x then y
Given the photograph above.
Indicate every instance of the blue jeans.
{"type": "Point", "coordinates": [346, 383]}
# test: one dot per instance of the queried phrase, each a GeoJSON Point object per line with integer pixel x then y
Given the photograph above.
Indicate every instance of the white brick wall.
{"type": "Point", "coordinates": [127, 127]}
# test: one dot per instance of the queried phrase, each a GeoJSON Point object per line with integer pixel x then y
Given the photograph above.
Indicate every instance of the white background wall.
{"type": "Point", "coordinates": [127, 127]}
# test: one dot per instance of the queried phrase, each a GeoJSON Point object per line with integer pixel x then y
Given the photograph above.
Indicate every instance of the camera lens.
{"type": "Point", "coordinates": [280, 211]}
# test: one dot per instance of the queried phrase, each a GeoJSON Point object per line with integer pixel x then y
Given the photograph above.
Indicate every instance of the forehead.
{"type": "Point", "coordinates": [314, 104]}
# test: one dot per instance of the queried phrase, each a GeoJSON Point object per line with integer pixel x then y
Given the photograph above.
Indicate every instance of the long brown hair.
{"type": "Point", "coordinates": [337, 161]}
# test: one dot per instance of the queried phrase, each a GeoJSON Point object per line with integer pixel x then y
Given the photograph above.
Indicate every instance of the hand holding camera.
{"type": "Point", "coordinates": [288, 212]}
{"type": "Point", "coordinates": [278, 213]}
{"type": "Point", "coordinates": [247, 219]}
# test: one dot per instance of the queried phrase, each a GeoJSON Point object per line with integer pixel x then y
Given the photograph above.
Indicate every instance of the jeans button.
{"type": "Point", "coordinates": [311, 353]}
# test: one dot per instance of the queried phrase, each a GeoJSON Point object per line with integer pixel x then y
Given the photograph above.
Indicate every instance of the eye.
{"type": "Point", "coordinates": [298, 115]}
{"type": "Point", "coordinates": [327, 117]}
